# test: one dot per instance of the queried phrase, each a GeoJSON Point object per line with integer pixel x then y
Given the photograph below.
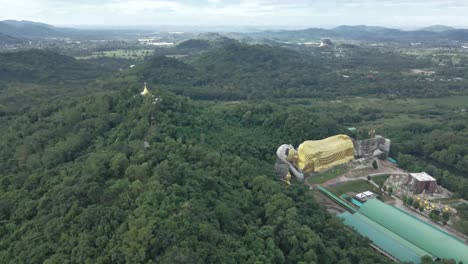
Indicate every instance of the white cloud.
{"type": "Point", "coordinates": [136, 6]}
{"type": "Point", "coordinates": [237, 12]}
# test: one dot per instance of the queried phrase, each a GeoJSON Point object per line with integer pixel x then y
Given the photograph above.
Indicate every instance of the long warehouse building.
{"type": "Point", "coordinates": [402, 235]}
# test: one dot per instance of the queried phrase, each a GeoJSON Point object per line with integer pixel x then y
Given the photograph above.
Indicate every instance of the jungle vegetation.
{"type": "Point", "coordinates": [92, 172]}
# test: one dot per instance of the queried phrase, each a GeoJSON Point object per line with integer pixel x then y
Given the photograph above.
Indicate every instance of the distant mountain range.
{"type": "Point", "coordinates": [12, 30]}
{"type": "Point", "coordinates": [29, 30]}
{"type": "Point", "coordinates": [438, 28]}
{"type": "Point", "coordinates": [367, 33]}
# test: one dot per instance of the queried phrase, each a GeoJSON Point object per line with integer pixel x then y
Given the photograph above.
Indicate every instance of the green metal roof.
{"type": "Point", "coordinates": [419, 233]}
{"type": "Point", "coordinates": [385, 239]}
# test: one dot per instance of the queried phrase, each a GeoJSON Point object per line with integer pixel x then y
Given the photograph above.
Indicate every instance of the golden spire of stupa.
{"type": "Point", "coordinates": [145, 91]}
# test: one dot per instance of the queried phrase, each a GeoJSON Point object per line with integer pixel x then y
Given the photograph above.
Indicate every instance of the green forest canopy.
{"type": "Point", "coordinates": [107, 176]}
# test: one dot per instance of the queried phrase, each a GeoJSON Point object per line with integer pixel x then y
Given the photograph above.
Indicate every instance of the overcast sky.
{"type": "Point", "coordinates": [296, 13]}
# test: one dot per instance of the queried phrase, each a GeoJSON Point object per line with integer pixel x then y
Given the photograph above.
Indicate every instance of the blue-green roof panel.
{"type": "Point", "coordinates": [384, 238]}
{"type": "Point", "coordinates": [419, 233]}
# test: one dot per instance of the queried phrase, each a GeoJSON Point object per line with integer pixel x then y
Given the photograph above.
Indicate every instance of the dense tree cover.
{"type": "Point", "coordinates": [167, 72]}
{"type": "Point", "coordinates": [7, 39]}
{"type": "Point", "coordinates": [78, 184]}
{"type": "Point", "coordinates": [42, 66]}
{"type": "Point", "coordinates": [195, 45]}
{"type": "Point", "coordinates": [241, 71]}
{"type": "Point", "coordinates": [438, 149]}
{"type": "Point", "coordinates": [235, 71]}
{"type": "Point", "coordinates": [112, 177]}
{"type": "Point", "coordinates": [115, 64]}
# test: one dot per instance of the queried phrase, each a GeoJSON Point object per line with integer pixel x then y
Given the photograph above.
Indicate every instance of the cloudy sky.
{"type": "Point", "coordinates": [295, 13]}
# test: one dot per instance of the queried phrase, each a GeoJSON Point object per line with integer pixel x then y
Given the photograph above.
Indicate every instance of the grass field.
{"type": "Point", "coordinates": [357, 186]}
{"type": "Point", "coordinates": [380, 179]}
{"type": "Point", "coordinates": [321, 178]}
{"type": "Point", "coordinates": [453, 101]}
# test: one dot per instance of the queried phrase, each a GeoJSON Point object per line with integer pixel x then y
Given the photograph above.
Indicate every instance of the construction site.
{"type": "Point", "coordinates": [400, 212]}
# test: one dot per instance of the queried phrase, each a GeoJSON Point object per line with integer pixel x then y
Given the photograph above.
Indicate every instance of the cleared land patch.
{"type": "Point", "coordinates": [352, 186]}
{"type": "Point", "coordinates": [323, 177]}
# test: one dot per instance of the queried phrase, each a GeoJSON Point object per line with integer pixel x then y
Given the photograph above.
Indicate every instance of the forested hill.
{"type": "Point", "coordinates": [116, 177]}
{"type": "Point", "coordinates": [195, 44]}
{"type": "Point", "coordinates": [239, 71]}
{"type": "Point", "coordinates": [6, 39]}
{"type": "Point", "coordinates": [260, 67]}
{"type": "Point", "coordinates": [29, 29]}
{"type": "Point", "coordinates": [236, 71]}
{"type": "Point", "coordinates": [42, 66]}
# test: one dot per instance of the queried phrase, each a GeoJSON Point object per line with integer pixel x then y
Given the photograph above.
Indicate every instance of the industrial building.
{"type": "Point", "coordinates": [402, 236]}
{"type": "Point", "coordinates": [422, 182]}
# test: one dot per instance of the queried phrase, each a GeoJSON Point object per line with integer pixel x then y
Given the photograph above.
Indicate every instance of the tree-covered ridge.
{"type": "Point", "coordinates": [364, 33]}
{"type": "Point", "coordinates": [111, 177]}
{"type": "Point", "coordinates": [42, 66]}
{"type": "Point", "coordinates": [79, 184]}
{"type": "Point", "coordinates": [7, 39]}
{"type": "Point", "coordinates": [233, 71]}
{"type": "Point", "coordinates": [195, 44]}
{"type": "Point", "coordinates": [259, 70]}
{"type": "Point", "coordinates": [239, 71]}
{"type": "Point", "coordinates": [166, 72]}
{"type": "Point", "coordinates": [28, 29]}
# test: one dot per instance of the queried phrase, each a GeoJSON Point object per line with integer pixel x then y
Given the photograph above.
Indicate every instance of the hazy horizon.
{"type": "Point", "coordinates": [404, 14]}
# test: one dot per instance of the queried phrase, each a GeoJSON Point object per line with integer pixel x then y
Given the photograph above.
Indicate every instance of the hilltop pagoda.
{"type": "Point", "coordinates": [145, 91]}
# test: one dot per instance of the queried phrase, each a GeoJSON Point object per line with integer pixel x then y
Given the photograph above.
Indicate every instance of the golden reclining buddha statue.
{"type": "Point", "coordinates": [313, 156]}
{"type": "Point", "coordinates": [319, 155]}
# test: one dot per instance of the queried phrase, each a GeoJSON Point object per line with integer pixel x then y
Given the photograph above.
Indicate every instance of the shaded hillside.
{"type": "Point", "coordinates": [236, 71]}
{"type": "Point", "coordinates": [237, 58]}
{"type": "Point", "coordinates": [459, 34]}
{"type": "Point", "coordinates": [194, 44]}
{"type": "Point", "coordinates": [28, 29]}
{"type": "Point", "coordinates": [203, 43]}
{"type": "Point", "coordinates": [257, 69]}
{"type": "Point", "coordinates": [167, 72]}
{"type": "Point", "coordinates": [7, 39]}
{"type": "Point", "coordinates": [45, 67]}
